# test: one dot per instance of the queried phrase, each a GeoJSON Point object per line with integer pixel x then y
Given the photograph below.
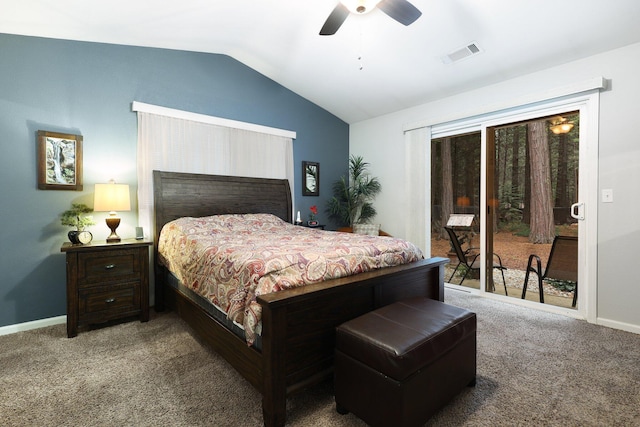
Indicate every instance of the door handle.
{"type": "Point", "coordinates": [577, 211]}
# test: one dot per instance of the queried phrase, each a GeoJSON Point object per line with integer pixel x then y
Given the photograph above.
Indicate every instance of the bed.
{"type": "Point", "coordinates": [298, 325]}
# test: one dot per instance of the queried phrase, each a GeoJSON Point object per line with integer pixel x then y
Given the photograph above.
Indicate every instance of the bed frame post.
{"type": "Point", "coordinates": [159, 283]}
{"type": "Point", "coordinates": [440, 281]}
{"type": "Point", "coordinates": [274, 394]}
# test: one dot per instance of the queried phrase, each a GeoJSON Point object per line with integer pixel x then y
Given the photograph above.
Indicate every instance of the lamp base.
{"type": "Point", "coordinates": [113, 223]}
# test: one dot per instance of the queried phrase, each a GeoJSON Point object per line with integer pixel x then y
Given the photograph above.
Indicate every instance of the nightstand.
{"type": "Point", "coordinates": [319, 226]}
{"type": "Point", "coordinates": [106, 281]}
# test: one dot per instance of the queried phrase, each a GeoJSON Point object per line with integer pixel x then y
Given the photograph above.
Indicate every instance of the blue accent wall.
{"type": "Point", "coordinates": [87, 89]}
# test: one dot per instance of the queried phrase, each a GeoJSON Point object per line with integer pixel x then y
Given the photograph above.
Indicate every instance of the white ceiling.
{"type": "Point", "coordinates": [402, 66]}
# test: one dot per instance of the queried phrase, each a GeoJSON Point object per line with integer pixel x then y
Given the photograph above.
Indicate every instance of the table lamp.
{"type": "Point", "coordinates": [112, 197]}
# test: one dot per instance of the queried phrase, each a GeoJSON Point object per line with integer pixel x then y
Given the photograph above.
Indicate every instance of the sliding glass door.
{"type": "Point", "coordinates": [532, 184]}
{"type": "Point", "coordinates": [504, 189]}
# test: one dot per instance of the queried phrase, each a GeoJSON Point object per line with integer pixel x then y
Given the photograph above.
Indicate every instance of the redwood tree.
{"type": "Point", "coordinates": [447, 185]}
{"type": "Point", "coordinates": [542, 224]}
{"type": "Point", "coordinates": [515, 162]}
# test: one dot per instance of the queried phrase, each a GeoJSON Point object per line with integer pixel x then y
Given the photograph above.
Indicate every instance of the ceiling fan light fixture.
{"type": "Point", "coordinates": [360, 6]}
{"type": "Point", "coordinates": [399, 10]}
{"type": "Point", "coordinates": [560, 125]}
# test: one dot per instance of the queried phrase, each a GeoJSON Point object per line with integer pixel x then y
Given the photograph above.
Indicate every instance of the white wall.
{"type": "Point", "coordinates": [381, 142]}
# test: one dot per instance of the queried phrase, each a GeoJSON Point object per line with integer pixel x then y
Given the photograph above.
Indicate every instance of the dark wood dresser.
{"type": "Point", "coordinates": [106, 281]}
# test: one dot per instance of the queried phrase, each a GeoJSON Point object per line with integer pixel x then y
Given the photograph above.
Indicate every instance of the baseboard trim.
{"type": "Point", "coordinates": [618, 325]}
{"type": "Point", "coordinates": [35, 324]}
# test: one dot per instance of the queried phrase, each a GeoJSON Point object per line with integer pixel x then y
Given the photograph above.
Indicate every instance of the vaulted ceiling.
{"type": "Point", "coordinates": [373, 65]}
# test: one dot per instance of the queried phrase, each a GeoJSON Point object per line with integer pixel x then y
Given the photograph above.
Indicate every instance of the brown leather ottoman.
{"type": "Point", "coordinates": [399, 364]}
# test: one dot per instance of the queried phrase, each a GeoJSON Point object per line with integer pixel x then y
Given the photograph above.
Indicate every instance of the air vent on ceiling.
{"type": "Point", "coordinates": [462, 53]}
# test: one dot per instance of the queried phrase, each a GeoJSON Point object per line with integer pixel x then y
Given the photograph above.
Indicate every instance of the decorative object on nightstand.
{"type": "Point", "coordinates": [316, 225]}
{"type": "Point", "coordinates": [106, 281]}
{"type": "Point", "coordinates": [312, 216]}
{"type": "Point", "coordinates": [112, 197]}
{"type": "Point", "coordinates": [75, 217]}
{"type": "Point", "coordinates": [84, 237]}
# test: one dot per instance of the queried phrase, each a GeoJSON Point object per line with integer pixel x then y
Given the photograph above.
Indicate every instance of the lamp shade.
{"type": "Point", "coordinates": [111, 197]}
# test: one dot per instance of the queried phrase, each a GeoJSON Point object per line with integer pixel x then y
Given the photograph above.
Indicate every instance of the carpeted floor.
{"type": "Point", "coordinates": [534, 368]}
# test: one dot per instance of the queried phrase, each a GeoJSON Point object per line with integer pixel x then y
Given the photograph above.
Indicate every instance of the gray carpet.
{"type": "Point", "coordinates": [534, 368]}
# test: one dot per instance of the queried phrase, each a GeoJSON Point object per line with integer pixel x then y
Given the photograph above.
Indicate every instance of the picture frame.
{"type": "Point", "coordinates": [59, 161]}
{"type": "Point", "coordinates": [310, 178]}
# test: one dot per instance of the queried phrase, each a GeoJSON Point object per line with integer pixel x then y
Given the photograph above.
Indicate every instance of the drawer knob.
{"type": "Point", "coordinates": [109, 266]}
{"type": "Point", "coordinates": [109, 300]}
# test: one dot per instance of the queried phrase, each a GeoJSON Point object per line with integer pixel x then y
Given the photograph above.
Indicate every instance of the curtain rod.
{"type": "Point", "coordinates": [595, 83]}
{"type": "Point", "coordinates": [203, 118]}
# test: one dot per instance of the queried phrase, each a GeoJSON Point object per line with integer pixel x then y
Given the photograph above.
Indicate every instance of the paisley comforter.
{"type": "Point", "coordinates": [231, 259]}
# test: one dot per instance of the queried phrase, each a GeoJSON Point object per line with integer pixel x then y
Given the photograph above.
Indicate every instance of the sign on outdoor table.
{"type": "Point", "coordinates": [460, 220]}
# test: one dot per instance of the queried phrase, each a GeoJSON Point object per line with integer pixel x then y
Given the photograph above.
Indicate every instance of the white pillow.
{"type": "Point", "coordinates": [369, 229]}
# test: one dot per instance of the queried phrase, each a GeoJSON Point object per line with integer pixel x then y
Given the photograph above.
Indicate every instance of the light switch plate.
{"type": "Point", "coordinates": [607, 196]}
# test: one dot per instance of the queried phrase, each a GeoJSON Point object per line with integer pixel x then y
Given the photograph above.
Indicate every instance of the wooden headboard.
{"type": "Point", "coordinates": [178, 195]}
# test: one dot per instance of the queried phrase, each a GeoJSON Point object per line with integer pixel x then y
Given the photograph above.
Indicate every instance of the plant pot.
{"type": "Point", "coordinates": [73, 236]}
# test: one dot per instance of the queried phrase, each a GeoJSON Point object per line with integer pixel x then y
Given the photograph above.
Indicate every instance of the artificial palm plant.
{"type": "Point", "coordinates": [352, 195]}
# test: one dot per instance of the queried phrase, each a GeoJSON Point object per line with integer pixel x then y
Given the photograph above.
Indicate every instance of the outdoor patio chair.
{"type": "Point", "coordinates": [463, 259]}
{"type": "Point", "coordinates": [561, 265]}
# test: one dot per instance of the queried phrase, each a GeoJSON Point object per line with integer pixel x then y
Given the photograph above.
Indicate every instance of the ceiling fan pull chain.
{"type": "Point", "coordinates": [360, 54]}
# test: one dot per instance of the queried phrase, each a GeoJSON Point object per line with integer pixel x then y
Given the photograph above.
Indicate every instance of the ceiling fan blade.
{"type": "Point", "coordinates": [335, 20]}
{"type": "Point", "coordinates": [400, 10]}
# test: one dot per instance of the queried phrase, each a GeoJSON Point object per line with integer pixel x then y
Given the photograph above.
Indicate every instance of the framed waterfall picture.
{"type": "Point", "coordinates": [59, 161]}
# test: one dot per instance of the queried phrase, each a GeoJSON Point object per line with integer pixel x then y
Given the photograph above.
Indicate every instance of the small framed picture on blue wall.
{"type": "Point", "coordinates": [310, 179]}
{"type": "Point", "coordinates": [59, 161]}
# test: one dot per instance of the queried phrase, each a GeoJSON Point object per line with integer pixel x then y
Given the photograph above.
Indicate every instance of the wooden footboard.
{"type": "Point", "coordinates": [298, 332]}
{"type": "Point", "coordinates": [298, 326]}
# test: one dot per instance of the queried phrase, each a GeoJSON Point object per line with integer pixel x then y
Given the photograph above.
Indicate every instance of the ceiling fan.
{"type": "Point", "coordinates": [400, 10]}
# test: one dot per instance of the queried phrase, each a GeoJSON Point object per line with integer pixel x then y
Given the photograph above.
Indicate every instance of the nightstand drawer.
{"type": "Point", "coordinates": [102, 303]}
{"type": "Point", "coordinates": [108, 266]}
